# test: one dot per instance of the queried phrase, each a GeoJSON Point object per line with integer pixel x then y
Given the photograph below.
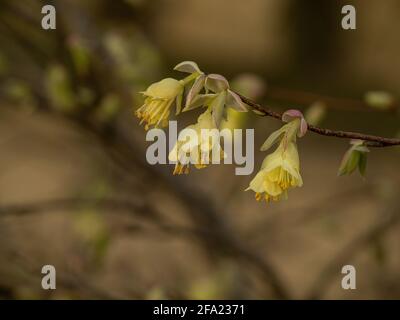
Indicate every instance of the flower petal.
{"type": "Point", "coordinates": [362, 164]}
{"type": "Point", "coordinates": [188, 67]}
{"type": "Point", "coordinates": [195, 89]}
{"type": "Point", "coordinates": [199, 101]}
{"type": "Point", "coordinates": [293, 114]}
{"type": "Point", "coordinates": [303, 128]}
{"type": "Point", "coordinates": [273, 138]}
{"type": "Point", "coordinates": [167, 88]}
{"type": "Point", "coordinates": [362, 149]}
{"type": "Point", "coordinates": [216, 83]}
{"type": "Point", "coordinates": [233, 101]}
{"type": "Point", "coordinates": [349, 162]}
{"type": "Point", "coordinates": [217, 107]}
{"type": "Point", "coordinates": [272, 188]}
{"type": "Point", "coordinates": [257, 184]}
{"type": "Point", "coordinates": [179, 99]}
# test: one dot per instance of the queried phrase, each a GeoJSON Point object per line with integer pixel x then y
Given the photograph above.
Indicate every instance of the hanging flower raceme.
{"type": "Point", "coordinates": [200, 146]}
{"type": "Point", "coordinates": [204, 144]}
{"type": "Point", "coordinates": [280, 170]}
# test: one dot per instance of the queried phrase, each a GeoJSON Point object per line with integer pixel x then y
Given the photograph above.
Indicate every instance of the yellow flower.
{"type": "Point", "coordinates": [159, 99]}
{"type": "Point", "coordinates": [200, 146]}
{"type": "Point", "coordinates": [279, 172]}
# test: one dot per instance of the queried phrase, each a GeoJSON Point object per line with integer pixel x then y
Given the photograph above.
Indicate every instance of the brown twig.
{"type": "Point", "coordinates": [141, 209]}
{"type": "Point", "coordinates": [372, 141]}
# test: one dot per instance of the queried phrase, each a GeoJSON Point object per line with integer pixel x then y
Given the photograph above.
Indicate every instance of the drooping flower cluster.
{"type": "Point", "coordinates": [209, 91]}
{"type": "Point", "coordinates": [160, 96]}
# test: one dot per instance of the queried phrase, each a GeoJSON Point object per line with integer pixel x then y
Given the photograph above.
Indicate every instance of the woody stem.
{"type": "Point", "coordinates": [371, 140]}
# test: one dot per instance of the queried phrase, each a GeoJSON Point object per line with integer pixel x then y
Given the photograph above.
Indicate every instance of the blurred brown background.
{"type": "Point", "coordinates": [76, 191]}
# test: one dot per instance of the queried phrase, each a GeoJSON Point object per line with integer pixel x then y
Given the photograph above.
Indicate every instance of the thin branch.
{"type": "Point", "coordinates": [372, 141]}
{"type": "Point", "coordinates": [70, 203]}
{"type": "Point", "coordinates": [113, 205]}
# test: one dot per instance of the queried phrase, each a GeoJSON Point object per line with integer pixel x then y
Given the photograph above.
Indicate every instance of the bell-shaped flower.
{"type": "Point", "coordinates": [279, 172]}
{"type": "Point", "coordinates": [201, 144]}
{"type": "Point", "coordinates": [160, 97]}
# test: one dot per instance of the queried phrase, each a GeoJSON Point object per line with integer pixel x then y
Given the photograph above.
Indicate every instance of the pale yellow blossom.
{"type": "Point", "coordinates": [160, 97]}
{"type": "Point", "coordinates": [279, 172]}
{"type": "Point", "coordinates": [198, 149]}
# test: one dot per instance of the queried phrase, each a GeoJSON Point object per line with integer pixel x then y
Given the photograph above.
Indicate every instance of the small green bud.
{"type": "Point", "coordinates": [355, 157]}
